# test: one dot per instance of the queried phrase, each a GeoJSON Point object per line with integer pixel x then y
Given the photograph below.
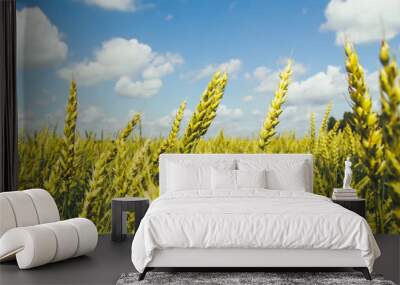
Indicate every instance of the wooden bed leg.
{"type": "Point", "coordinates": [143, 274]}
{"type": "Point", "coordinates": [364, 271]}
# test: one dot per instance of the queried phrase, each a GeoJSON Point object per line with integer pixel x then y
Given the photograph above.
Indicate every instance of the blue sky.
{"type": "Point", "coordinates": [147, 56]}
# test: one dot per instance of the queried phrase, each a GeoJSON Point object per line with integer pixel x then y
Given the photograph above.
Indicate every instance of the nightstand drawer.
{"type": "Point", "coordinates": [356, 205]}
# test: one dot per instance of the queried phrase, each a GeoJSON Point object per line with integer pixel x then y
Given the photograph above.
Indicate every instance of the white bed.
{"type": "Point", "coordinates": [250, 227]}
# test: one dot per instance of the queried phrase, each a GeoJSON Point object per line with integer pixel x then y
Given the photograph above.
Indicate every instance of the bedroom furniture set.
{"type": "Point", "coordinates": [214, 210]}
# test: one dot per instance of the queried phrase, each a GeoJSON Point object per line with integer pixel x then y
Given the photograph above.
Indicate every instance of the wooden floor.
{"type": "Point", "coordinates": [103, 266]}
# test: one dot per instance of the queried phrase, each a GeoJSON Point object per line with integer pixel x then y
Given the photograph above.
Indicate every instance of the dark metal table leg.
{"type": "Point", "coordinates": [116, 222]}
{"type": "Point", "coordinates": [124, 222]}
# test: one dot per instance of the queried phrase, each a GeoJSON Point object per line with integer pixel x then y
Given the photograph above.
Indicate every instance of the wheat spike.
{"type": "Point", "coordinates": [99, 176]}
{"type": "Point", "coordinates": [268, 129]}
{"type": "Point", "coordinates": [64, 167]}
{"type": "Point", "coordinates": [96, 183]}
{"type": "Point", "coordinates": [136, 170]}
{"type": "Point", "coordinates": [124, 134]}
{"type": "Point", "coordinates": [68, 151]}
{"type": "Point", "coordinates": [205, 112]}
{"type": "Point", "coordinates": [324, 123]}
{"type": "Point", "coordinates": [121, 162]}
{"type": "Point", "coordinates": [333, 143]}
{"type": "Point", "coordinates": [312, 132]}
{"type": "Point", "coordinates": [367, 125]}
{"type": "Point", "coordinates": [321, 147]}
{"type": "Point", "coordinates": [60, 179]}
{"type": "Point", "coordinates": [390, 96]}
{"type": "Point", "coordinates": [389, 79]}
{"type": "Point", "coordinates": [214, 103]}
{"type": "Point", "coordinates": [173, 133]}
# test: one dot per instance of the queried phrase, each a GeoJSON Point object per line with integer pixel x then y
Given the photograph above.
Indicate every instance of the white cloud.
{"type": "Point", "coordinates": [231, 113]}
{"type": "Point", "coordinates": [135, 67]}
{"type": "Point", "coordinates": [324, 86]}
{"type": "Point", "coordinates": [297, 118]}
{"type": "Point", "coordinates": [232, 67]}
{"type": "Point", "coordinates": [308, 94]}
{"type": "Point", "coordinates": [91, 114]}
{"type": "Point", "coordinates": [166, 121]}
{"type": "Point", "coordinates": [362, 21]}
{"type": "Point", "coordinates": [118, 5]}
{"type": "Point", "coordinates": [247, 75]}
{"type": "Point", "coordinates": [227, 118]}
{"type": "Point", "coordinates": [298, 69]}
{"type": "Point", "coordinates": [319, 88]}
{"type": "Point", "coordinates": [248, 98]}
{"type": "Point", "coordinates": [115, 58]}
{"type": "Point", "coordinates": [39, 42]}
{"type": "Point", "coordinates": [372, 80]}
{"type": "Point", "coordinates": [162, 125]}
{"type": "Point", "coordinates": [162, 65]}
{"type": "Point", "coordinates": [96, 119]}
{"type": "Point", "coordinates": [269, 79]}
{"type": "Point", "coordinates": [313, 94]}
{"type": "Point", "coordinates": [147, 88]}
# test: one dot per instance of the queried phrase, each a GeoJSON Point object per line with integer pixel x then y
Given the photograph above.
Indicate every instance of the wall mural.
{"type": "Point", "coordinates": [105, 87]}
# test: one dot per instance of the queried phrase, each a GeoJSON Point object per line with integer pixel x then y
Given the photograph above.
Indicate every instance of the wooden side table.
{"type": "Point", "coordinates": [119, 209]}
{"type": "Point", "coordinates": [357, 205]}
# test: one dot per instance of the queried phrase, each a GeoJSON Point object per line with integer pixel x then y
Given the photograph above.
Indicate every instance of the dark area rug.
{"type": "Point", "coordinates": [229, 278]}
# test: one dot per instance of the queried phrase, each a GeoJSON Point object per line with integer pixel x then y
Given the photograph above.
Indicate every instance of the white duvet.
{"type": "Point", "coordinates": [250, 219]}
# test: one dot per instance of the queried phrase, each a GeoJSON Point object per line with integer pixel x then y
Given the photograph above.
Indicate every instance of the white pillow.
{"type": "Point", "coordinates": [293, 180]}
{"type": "Point", "coordinates": [223, 179]}
{"type": "Point", "coordinates": [251, 178]}
{"type": "Point", "coordinates": [282, 174]}
{"type": "Point", "coordinates": [182, 177]}
{"type": "Point", "coordinates": [188, 175]}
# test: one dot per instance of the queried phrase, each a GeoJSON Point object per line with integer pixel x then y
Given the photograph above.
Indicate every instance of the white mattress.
{"type": "Point", "coordinates": [250, 219]}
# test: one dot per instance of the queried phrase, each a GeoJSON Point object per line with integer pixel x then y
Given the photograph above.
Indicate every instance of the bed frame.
{"type": "Point", "coordinates": [242, 259]}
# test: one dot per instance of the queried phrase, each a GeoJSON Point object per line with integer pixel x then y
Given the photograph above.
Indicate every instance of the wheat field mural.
{"type": "Point", "coordinates": [84, 170]}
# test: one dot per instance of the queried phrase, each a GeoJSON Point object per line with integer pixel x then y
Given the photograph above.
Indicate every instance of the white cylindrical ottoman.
{"type": "Point", "coordinates": [40, 244]}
